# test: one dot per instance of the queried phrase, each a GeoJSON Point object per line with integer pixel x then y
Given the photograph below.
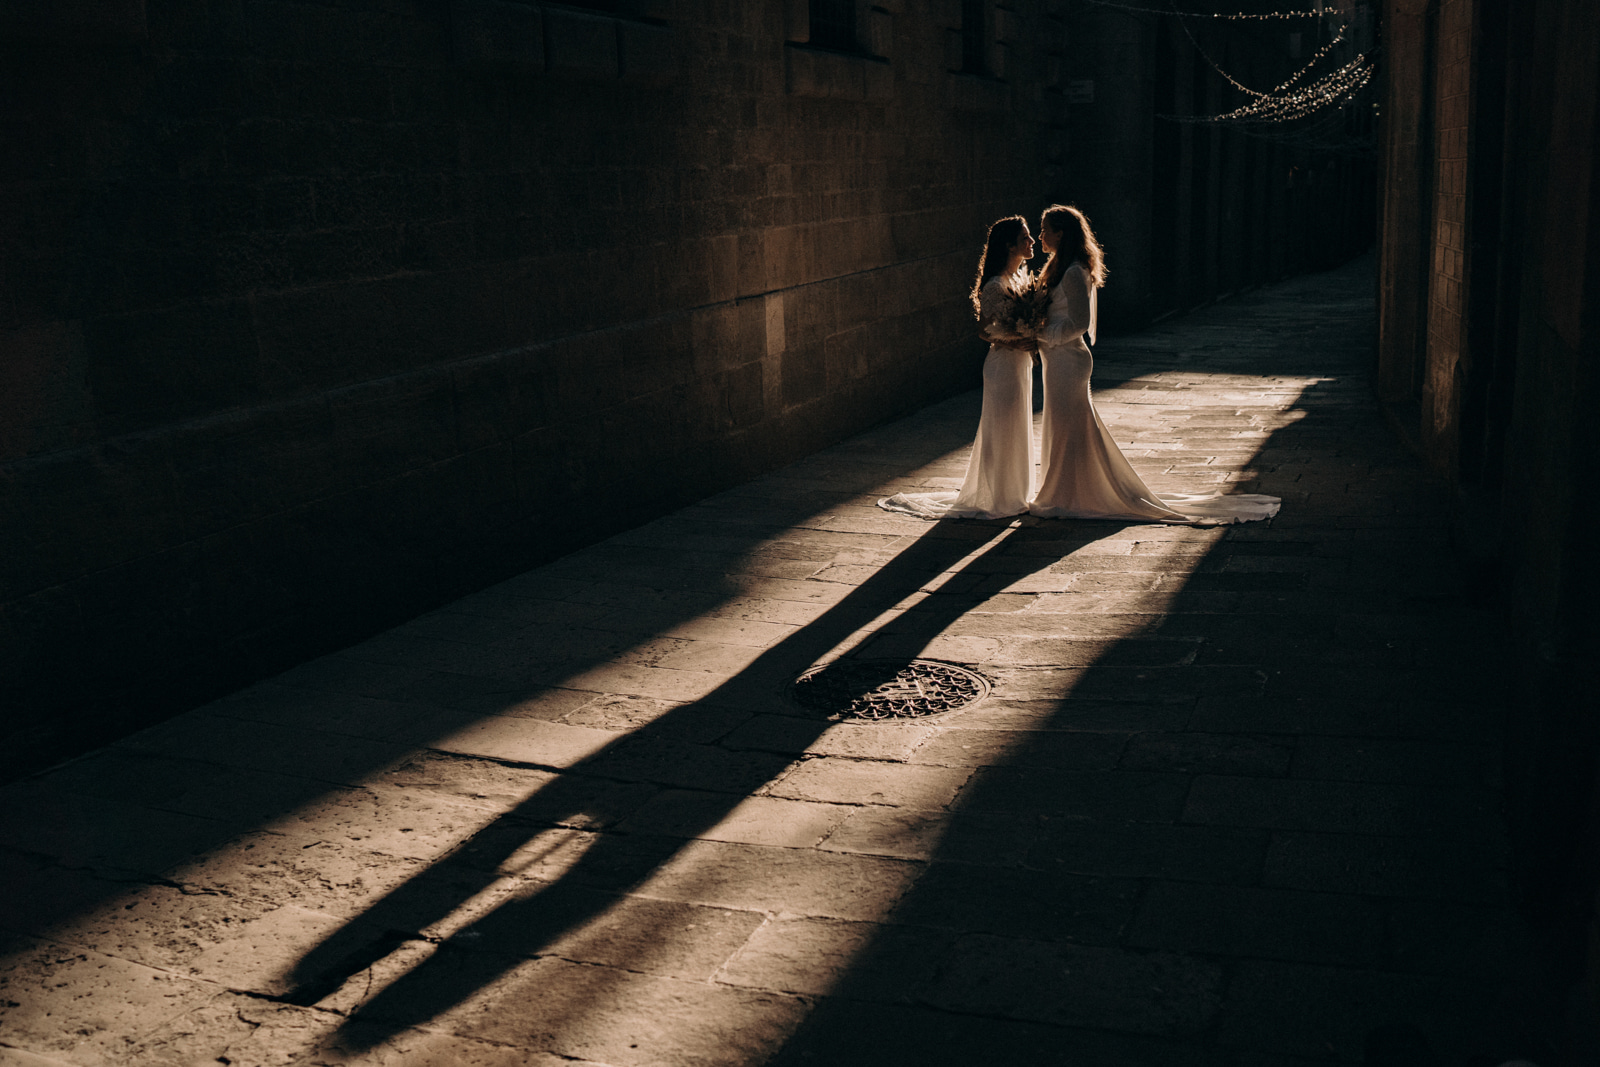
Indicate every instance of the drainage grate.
{"type": "Point", "coordinates": [887, 690]}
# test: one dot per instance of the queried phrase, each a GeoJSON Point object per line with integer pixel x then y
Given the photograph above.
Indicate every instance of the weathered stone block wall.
{"type": "Point", "coordinates": [1406, 202]}
{"type": "Point", "coordinates": [1452, 106]}
{"type": "Point", "coordinates": [1545, 512]}
{"type": "Point", "coordinates": [316, 314]}
{"type": "Point", "coordinates": [1509, 133]}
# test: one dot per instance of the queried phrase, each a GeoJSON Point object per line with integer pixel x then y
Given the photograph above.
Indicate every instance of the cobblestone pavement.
{"type": "Point", "coordinates": [1232, 800]}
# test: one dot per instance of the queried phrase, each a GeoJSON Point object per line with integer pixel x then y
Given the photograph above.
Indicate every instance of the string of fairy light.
{"type": "Point", "coordinates": [1331, 90]}
{"type": "Point", "coordinates": [1286, 86]}
{"type": "Point", "coordinates": [1291, 100]}
{"type": "Point", "coordinates": [1238, 16]}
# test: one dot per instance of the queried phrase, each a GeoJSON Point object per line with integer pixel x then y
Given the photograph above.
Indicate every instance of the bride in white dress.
{"type": "Point", "coordinates": [999, 477]}
{"type": "Point", "coordinates": [1084, 474]}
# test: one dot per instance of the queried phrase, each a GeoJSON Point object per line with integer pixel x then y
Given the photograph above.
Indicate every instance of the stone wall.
{"type": "Point", "coordinates": [316, 313]}
{"type": "Point", "coordinates": [320, 313]}
{"type": "Point", "coordinates": [1488, 358]}
{"type": "Point", "coordinates": [1452, 101]}
{"type": "Point", "coordinates": [1406, 205]}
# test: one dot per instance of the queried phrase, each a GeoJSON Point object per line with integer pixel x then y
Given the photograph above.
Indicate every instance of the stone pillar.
{"type": "Point", "coordinates": [1182, 190]}
{"type": "Point", "coordinates": [1404, 206]}
{"type": "Point", "coordinates": [1447, 286]}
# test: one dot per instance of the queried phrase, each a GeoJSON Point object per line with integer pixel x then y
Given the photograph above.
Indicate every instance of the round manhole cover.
{"type": "Point", "coordinates": [887, 690]}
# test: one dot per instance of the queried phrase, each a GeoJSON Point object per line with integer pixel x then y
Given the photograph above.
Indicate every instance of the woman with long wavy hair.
{"type": "Point", "coordinates": [1083, 474]}
{"type": "Point", "coordinates": [999, 477]}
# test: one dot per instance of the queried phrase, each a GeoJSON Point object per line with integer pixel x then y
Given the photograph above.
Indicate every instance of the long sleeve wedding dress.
{"type": "Point", "coordinates": [1084, 474]}
{"type": "Point", "coordinates": [1000, 473]}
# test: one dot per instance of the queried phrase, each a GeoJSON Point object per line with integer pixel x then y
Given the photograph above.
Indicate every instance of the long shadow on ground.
{"type": "Point", "coordinates": [1256, 853]}
{"type": "Point", "coordinates": [140, 810]}
{"type": "Point", "coordinates": [1254, 820]}
{"type": "Point", "coordinates": [1245, 826]}
{"type": "Point", "coordinates": [590, 794]}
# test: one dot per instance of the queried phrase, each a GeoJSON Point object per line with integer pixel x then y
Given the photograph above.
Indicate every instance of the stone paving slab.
{"type": "Point", "coordinates": [1233, 798]}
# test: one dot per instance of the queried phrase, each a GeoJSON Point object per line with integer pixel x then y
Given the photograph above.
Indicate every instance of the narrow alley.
{"type": "Point", "coordinates": [1232, 796]}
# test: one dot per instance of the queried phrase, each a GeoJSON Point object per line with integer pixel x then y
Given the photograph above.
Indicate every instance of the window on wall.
{"type": "Point", "coordinates": [833, 24]}
{"type": "Point", "coordinates": [974, 38]}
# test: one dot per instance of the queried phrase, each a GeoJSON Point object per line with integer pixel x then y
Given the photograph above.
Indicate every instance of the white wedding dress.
{"type": "Point", "coordinates": [999, 477]}
{"type": "Point", "coordinates": [1085, 475]}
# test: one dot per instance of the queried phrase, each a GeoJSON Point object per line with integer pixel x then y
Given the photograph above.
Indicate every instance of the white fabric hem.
{"type": "Point", "coordinates": [1224, 509]}
{"type": "Point", "coordinates": [936, 506]}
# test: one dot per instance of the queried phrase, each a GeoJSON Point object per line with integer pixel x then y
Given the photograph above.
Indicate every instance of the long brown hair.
{"type": "Point", "coordinates": [1077, 243]}
{"type": "Point", "coordinates": [1003, 233]}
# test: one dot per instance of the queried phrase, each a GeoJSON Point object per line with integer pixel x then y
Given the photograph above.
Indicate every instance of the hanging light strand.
{"type": "Point", "coordinates": [1294, 78]}
{"type": "Point", "coordinates": [1281, 104]}
{"type": "Point", "coordinates": [1294, 98]}
{"type": "Point", "coordinates": [1239, 16]}
{"type": "Point", "coordinates": [1332, 89]}
{"type": "Point", "coordinates": [1317, 57]}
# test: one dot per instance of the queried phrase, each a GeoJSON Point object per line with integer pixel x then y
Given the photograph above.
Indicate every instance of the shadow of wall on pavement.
{"type": "Point", "coordinates": [134, 814]}
{"type": "Point", "coordinates": [1102, 690]}
{"type": "Point", "coordinates": [473, 955]}
{"type": "Point", "coordinates": [583, 794]}
{"type": "Point", "coordinates": [137, 812]}
{"type": "Point", "coordinates": [1266, 847]}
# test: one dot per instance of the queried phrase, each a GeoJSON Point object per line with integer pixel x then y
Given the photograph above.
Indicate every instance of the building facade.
{"type": "Point", "coordinates": [318, 314]}
{"type": "Point", "coordinates": [1489, 297]}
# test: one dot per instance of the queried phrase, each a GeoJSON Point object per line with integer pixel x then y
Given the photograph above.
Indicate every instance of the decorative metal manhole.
{"type": "Point", "coordinates": [885, 690]}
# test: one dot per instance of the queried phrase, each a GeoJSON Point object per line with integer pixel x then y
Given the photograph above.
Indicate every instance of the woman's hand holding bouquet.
{"type": "Point", "coordinates": [1022, 316]}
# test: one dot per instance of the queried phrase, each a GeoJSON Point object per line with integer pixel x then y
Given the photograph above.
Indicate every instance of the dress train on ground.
{"type": "Point", "coordinates": [1085, 475]}
{"type": "Point", "coordinates": [999, 480]}
{"type": "Point", "coordinates": [999, 477]}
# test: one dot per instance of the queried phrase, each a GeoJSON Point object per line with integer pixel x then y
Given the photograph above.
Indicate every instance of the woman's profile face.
{"type": "Point", "coordinates": [1023, 244]}
{"type": "Point", "coordinates": [1049, 236]}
